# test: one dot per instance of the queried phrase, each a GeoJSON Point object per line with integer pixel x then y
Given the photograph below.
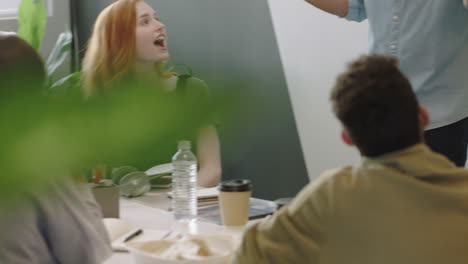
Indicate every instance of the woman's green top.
{"type": "Point", "coordinates": [194, 94]}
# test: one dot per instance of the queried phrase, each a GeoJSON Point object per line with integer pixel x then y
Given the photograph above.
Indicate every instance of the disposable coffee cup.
{"type": "Point", "coordinates": [234, 198]}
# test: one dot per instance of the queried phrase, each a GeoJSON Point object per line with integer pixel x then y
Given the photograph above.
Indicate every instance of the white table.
{"type": "Point", "coordinates": [146, 217]}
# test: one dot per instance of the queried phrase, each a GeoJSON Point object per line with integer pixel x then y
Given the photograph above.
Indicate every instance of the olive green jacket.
{"type": "Point", "coordinates": [410, 206]}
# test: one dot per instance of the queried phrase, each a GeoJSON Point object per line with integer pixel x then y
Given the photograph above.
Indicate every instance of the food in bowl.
{"type": "Point", "coordinates": [184, 249]}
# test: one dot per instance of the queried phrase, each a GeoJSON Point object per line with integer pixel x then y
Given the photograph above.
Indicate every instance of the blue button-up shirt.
{"type": "Point", "coordinates": [430, 39]}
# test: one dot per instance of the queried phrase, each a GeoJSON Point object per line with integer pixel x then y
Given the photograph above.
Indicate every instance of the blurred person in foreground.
{"type": "Point", "coordinates": [127, 50]}
{"type": "Point", "coordinates": [58, 221]}
{"type": "Point", "coordinates": [402, 203]}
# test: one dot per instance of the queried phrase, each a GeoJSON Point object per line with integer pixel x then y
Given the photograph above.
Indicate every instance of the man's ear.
{"type": "Point", "coordinates": [423, 116]}
{"type": "Point", "coordinates": [346, 139]}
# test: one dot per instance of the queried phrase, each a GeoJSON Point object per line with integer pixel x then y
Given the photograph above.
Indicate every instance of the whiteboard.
{"type": "Point", "coordinates": [314, 48]}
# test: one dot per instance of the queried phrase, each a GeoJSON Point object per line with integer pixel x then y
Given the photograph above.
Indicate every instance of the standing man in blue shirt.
{"type": "Point", "coordinates": [430, 40]}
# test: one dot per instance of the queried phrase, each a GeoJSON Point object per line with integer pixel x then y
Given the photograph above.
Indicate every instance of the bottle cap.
{"type": "Point", "coordinates": [184, 144]}
{"type": "Point", "coordinates": [236, 185]}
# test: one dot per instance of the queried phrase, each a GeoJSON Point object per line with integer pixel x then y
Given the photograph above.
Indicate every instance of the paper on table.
{"type": "Point", "coordinates": [119, 230]}
{"type": "Point", "coordinates": [204, 194]}
{"type": "Point", "coordinates": [160, 169]}
{"type": "Point", "coordinates": [116, 228]}
{"type": "Point", "coordinates": [207, 193]}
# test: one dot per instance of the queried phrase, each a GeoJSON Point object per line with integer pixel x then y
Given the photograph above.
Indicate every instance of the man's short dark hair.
{"type": "Point", "coordinates": [376, 105]}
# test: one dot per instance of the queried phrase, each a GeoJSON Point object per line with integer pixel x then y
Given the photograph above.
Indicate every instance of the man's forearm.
{"type": "Point", "coordinates": [335, 7]}
{"type": "Point", "coordinates": [465, 2]}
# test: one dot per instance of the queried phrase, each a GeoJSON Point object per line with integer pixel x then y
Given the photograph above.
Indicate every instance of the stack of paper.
{"type": "Point", "coordinates": [205, 196]}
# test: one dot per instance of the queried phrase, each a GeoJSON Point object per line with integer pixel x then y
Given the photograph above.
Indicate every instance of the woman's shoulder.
{"type": "Point", "coordinates": [194, 81]}
{"type": "Point", "coordinates": [192, 85]}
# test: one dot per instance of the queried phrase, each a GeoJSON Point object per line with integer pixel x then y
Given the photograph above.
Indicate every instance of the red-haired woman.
{"type": "Point", "coordinates": [129, 42]}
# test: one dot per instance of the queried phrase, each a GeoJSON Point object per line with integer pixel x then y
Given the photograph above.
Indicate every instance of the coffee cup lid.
{"type": "Point", "coordinates": [236, 185]}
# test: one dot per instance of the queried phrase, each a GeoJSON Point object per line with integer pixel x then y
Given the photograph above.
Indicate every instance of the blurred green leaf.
{"type": "Point", "coordinates": [67, 86]}
{"type": "Point", "coordinates": [49, 137]}
{"type": "Point", "coordinates": [32, 20]}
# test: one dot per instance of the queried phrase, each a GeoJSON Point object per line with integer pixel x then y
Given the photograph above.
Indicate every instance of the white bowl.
{"type": "Point", "coordinates": [222, 246]}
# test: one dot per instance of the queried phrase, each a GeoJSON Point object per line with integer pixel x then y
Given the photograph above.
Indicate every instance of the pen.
{"type": "Point", "coordinates": [134, 234]}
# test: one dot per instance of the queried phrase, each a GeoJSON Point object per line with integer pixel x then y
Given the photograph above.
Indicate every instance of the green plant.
{"type": "Point", "coordinates": [32, 21]}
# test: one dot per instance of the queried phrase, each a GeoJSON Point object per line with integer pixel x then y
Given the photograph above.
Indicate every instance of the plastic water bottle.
{"type": "Point", "coordinates": [184, 184]}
